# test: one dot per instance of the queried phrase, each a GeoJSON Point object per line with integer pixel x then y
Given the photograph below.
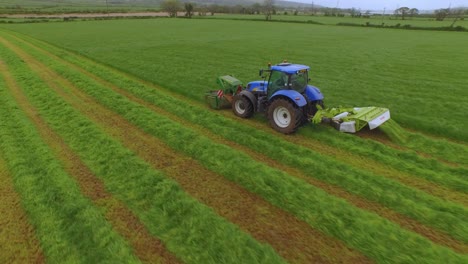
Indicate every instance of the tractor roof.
{"type": "Point", "coordinates": [289, 68]}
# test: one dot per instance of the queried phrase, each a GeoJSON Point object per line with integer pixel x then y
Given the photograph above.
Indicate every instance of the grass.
{"type": "Point", "coordinates": [304, 200]}
{"type": "Point", "coordinates": [193, 231]}
{"type": "Point", "coordinates": [353, 66]}
{"type": "Point", "coordinates": [68, 225]}
{"type": "Point", "coordinates": [171, 54]}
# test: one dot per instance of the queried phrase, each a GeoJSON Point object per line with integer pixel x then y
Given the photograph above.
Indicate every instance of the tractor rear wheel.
{"type": "Point", "coordinates": [284, 116]}
{"type": "Point", "coordinates": [242, 107]}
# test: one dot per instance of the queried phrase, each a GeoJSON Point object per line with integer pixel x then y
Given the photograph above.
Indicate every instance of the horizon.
{"type": "Point", "coordinates": [387, 4]}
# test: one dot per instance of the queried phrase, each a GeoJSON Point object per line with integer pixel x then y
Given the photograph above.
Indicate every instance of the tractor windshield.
{"type": "Point", "coordinates": [299, 81]}
{"type": "Point", "coordinates": [281, 80]}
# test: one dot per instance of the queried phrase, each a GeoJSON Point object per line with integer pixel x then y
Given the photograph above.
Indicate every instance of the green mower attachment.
{"type": "Point", "coordinates": [351, 120]}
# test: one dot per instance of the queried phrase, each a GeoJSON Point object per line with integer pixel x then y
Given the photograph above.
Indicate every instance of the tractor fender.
{"type": "Point", "coordinates": [251, 98]}
{"type": "Point", "coordinates": [293, 95]}
{"type": "Point", "coordinates": [313, 93]}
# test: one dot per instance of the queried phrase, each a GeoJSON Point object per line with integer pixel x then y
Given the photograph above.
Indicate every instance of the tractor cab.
{"type": "Point", "coordinates": [287, 76]}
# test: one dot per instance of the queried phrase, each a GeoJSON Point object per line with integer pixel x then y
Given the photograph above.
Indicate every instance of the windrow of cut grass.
{"type": "Point", "coordinates": [18, 241]}
{"type": "Point", "coordinates": [404, 160]}
{"type": "Point", "coordinates": [69, 227]}
{"type": "Point", "coordinates": [418, 205]}
{"type": "Point", "coordinates": [146, 247]}
{"type": "Point", "coordinates": [189, 229]}
{"type": "Point", "coordinates": [440, 148]}
{"type": "Point", "coordinates": [334, 216]}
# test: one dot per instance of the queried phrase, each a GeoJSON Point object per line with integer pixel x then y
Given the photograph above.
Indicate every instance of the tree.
{"type": "Point", "coordinates": [413, 12]}
{"type": "Point", "coordinates": [403, 11]}
{"type": "Point", "coordinates": [268, 8]}
{"type": "Point", "coordinates": [256, 8]}
{"type": "Point", "coordinates": [171, 7]}
{"type": "Point", "coordinates": [213, 9]}
{"type": "Point", "coordinates": [188, 9]}
{"type": "Point", "coordinates": [441, 14]}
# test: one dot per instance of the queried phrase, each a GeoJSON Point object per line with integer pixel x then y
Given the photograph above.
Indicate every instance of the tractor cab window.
{"type": "Point", "coordinates": [299, 81]}
{"type": "Point", "coordinates": [278, 81]}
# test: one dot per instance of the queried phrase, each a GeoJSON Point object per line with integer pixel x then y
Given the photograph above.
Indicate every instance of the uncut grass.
{"type": "Point", "coordinates": [439, 208]}
{"type": "Point", "coordinates": [69, 228]}
{"type": "Point", "coordinates": [407, 71]}
{"type": "Point", "coordinates": [276, 188]}
{"type": "Point", "coordinates": [192, 231]}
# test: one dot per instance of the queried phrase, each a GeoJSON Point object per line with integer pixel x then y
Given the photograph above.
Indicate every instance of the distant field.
{"type": "Point", "coordinates": [419, 75]}
{"type": "Point", "coordinates": [67, 6]}
{"type": "Point", "coordinates": [111, 153]}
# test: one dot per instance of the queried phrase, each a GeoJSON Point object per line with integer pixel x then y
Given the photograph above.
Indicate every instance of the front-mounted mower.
{"type": "Point", "coordinates": [289, 101]}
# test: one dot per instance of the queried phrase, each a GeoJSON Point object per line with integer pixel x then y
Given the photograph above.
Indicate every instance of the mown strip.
{"type": "Point", "coordinates": [68, 226]}
{"type": "Point", "coordinates": [189, 229]}
{"type": "Point", "coordinates": [264, 221]}
{"type": "Point", "coordinates": [18, 241]}
{"type": "Point", "coordinates": [304, 200]}
{"type": "Point", "coordinates": [445, 216]}
{"type": "Point", "coordinates": [146, 247]}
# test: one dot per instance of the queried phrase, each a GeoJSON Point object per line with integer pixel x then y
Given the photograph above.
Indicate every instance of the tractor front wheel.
{"type": "Point", "coordinates": [242, 107]}
{"type": "Point", "coordinates": [284, 116]}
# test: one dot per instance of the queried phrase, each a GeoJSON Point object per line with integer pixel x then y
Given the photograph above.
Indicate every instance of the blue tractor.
{"type": "Point", "coordinates": [288, 101]}
{"type": "Point", "coordinates": [284, 95]}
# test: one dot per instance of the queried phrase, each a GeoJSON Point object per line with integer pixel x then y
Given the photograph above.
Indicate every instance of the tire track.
{"type": "Point", "coordinates": [293, 239]}
{"type": "Point", "coordinates": [405, 222]}
{"type": "Point", "coordinates": [147, 248]}
{"type": "Point", "coordinates": [18, 241]}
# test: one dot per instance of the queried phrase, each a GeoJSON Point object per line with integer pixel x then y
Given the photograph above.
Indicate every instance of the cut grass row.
{"type": "Point", "coordinates": [190, 230]}
{"type": "Point", "coordinates": [275, 186]}
{"type": "Point", "coordinates": [69, 227]}
{"type": "Point", "coordinates": [146, 247]}
{"type": "Point", "coordinates": [405, 160]}
{"type": "Point", "coordinates": [18, 242]}
{"type": "Point", "coordinates": [429, 210]}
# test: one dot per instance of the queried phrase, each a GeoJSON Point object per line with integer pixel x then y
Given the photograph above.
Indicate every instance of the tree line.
{"type": "Point", "coordinates": [268, 8]}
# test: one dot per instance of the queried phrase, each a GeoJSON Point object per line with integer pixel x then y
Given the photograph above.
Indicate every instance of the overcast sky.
{"type": "Point", "coordinates": [388, 4]}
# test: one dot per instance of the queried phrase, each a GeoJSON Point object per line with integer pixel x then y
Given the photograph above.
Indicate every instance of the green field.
{"type": "Point", "coordinates": [108, 146]}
